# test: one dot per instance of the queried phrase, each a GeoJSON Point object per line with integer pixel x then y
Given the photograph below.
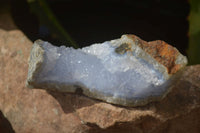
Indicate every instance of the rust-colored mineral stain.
{"type": "Point", "coordinates": [164, 53]}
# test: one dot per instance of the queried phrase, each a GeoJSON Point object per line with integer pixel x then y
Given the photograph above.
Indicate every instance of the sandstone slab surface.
{"type": "Point", "coordinates": [34, 110]}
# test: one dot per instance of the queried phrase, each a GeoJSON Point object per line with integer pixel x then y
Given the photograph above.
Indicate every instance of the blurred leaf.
{"type": "Point", "coordinates": [194, 32]}
{"type": "Point", "coordinates": [47, 18]}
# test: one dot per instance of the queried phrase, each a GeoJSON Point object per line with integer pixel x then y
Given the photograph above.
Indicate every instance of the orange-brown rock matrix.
{"type": "Point", "coordinates": [164, 53]}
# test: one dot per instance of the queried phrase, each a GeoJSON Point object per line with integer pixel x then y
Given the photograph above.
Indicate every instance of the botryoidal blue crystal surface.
{"type": "Point", "coordinates": [123, 71]}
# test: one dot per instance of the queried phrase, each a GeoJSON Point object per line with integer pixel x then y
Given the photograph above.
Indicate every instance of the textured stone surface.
{"type": "Point", "coordinates": [28, 110]}
{"type": "Point", "coordinates": [34, 111]}
{"type": "Point", "coordinates": [126, 71]}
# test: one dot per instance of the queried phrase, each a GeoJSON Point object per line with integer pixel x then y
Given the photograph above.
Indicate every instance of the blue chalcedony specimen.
{"type": "Point", "coordinates": [126, 71]}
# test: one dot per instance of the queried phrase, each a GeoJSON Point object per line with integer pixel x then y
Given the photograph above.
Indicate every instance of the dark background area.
{"type": "Point", "coordinates": [95, 21]}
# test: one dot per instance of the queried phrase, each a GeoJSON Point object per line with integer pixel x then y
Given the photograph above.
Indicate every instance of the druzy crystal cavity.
{"type": "Point", "coordinates": [126, 71]}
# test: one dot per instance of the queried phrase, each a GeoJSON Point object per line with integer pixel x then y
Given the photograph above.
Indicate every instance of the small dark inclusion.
{"type": "Point", "coordinates": [123, 48]}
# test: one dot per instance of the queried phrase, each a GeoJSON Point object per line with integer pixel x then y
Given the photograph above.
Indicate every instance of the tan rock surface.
{"type": "Point", "coordinates": [33, 110]}
{"type": "Point", "coordinates": [27, 110]}
{"type": "Point", "coordinates": [38, 111]}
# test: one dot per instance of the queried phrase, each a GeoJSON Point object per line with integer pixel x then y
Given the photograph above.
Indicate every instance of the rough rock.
{"type": "Point", "coordinates": [117, 71]}
{"type": "Point", "coordinates": [33, 110]}
{"type": "Point", "coordinates": [27, 110]}
{"type": "Point", "coordinates": [36, 111]}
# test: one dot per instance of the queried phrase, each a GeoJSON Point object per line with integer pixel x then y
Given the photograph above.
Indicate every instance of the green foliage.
{"type": "Point", "coordinates": [47, 17]}
{"type": "Point", "coordinates": [194, 32]}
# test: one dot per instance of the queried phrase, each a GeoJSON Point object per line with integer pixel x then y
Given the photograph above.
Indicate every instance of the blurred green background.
{"type": "Point", "coordinates": [80, 23]}
{"type": "Point", "coordinates": [194, 32]}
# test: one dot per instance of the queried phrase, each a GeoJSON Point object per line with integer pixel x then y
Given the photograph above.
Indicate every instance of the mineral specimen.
{"type": "Point", "coordinates": [126, 71]}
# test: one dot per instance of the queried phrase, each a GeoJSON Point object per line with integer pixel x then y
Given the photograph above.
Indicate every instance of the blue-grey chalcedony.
{"type": "Point", "coordinates": [126, 71]}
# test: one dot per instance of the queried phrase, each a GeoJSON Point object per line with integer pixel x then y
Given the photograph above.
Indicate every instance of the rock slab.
{"type": "Point", "coordinates": [34, 111]}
